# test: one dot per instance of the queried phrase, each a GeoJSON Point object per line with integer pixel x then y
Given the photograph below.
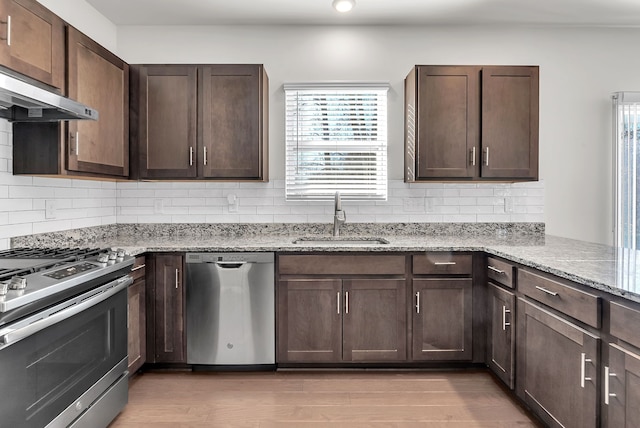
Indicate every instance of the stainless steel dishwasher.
{"type": "Point", "coordinates": [230, 309]}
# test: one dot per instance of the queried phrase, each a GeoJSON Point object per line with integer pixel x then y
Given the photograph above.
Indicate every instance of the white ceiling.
{"type": "Point", "coordinates": [371, 12]}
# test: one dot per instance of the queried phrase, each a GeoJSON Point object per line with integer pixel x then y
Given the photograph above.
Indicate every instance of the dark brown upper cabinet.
{"type": "Point", "coordinates": [32, 41]}
{"type": "Point", "coordinates": [99, 79]}
{"type": "Point", "coordinates": [471, 123]}
{"type": "Point", "coordinates": [89, 148]}
{"type": "Point", "coordinates": [200, 121]}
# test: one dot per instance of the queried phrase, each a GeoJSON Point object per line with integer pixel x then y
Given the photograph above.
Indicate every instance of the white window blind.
{"type": "Point", "coordinates": [336, 140]}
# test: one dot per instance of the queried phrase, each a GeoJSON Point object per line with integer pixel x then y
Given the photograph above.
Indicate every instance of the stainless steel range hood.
{"type": "Point", "coordinates": [21, 101]}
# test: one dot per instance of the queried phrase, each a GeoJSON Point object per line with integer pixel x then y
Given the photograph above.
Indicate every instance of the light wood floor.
{"type": "Point", "coordinates": [316, 399]}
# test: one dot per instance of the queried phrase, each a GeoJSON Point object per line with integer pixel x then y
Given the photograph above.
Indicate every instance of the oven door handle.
{"type": "Point", "coordinates": [92, 298]}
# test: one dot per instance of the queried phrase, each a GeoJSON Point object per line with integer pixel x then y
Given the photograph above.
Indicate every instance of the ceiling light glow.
{"type": "Point", "coordinates": [343, 5]}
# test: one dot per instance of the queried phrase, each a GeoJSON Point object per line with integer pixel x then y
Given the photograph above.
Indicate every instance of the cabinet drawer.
{"type": "Point", "coordinates": [576, 303]}
{"type": "Point", "coordinates": [138, 268]}
{"type": "Point", "coordinates": [346, 264]}
{"type": "Point", "coordinates": [500, 272]}
{"type": "Point", "coordinates": [442, 264]}
{"type": "Point", "coordinates": [624, 322]}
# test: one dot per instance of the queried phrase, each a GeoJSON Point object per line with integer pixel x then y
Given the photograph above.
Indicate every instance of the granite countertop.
{"type": "Point", "coordinates": [599, 266]}
{"type": "Point", "coordinates": [594, 265]}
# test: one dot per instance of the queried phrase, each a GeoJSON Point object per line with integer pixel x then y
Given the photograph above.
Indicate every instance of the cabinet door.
{"type": "Point", "coordinates": [101, 80]}
{"type": "Point", "coordinates": [169, 309]}
{"type": "Point", "coordinates": [501, 338]}
{"type": "Point", "coordinates": [442, 319]}
{"type": "Point", "coordinates": [310, 320]}
{"type": "Point", "coordinates": [557, 368]}
{"type": "Point", "coordinates": [447, 123]}
{"type": "Point", "coordinates": [622, 388]}
{"type": "Point", "coordinates": [32, 41]}
{"type": "Point", "coordinates": [137, 326]}
{"type": "Point", "coordinates": [166, 115]}
{"type": "Point", "coordinates": [231, 123]}
{"type": "Point", "coordinates": [374, 320]}
{"type": "Point", "coordinates": [510, 122]}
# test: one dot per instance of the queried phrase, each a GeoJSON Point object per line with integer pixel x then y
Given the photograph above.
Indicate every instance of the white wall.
{"type": "Point", "coordinates": [85, 18]}
{"type": "Point", "coordinates": [579, 69]}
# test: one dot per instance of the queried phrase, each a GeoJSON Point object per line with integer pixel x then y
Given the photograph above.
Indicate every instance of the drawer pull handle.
{"type": "Point", "coordinates": [444, 263]}
{"type": "Point", "coordinates": [177, 272]}
{"type": "Point", "coordinates": [346, 302]}
{"type": "Point", "coordinates": [505, 324]}
{"type": "Point", "coordinates": [338, 301]}
{"type": "Point", "coordinates": [496, 270]}
{"type": "Point", "coordinates": [137, 268]}
{"type": "Point", "coordinates": [191, 156]}
{"type": "Point", "coordinates": [417, 302]}
{"type": "Point", "coordinates": [549, 292]}
{"type": "Point", "coordinates": [473, 156]}
{"type": "Point", "coordinates": [607, 392]}
{"type": "Point", "coordinates": [583, 369]}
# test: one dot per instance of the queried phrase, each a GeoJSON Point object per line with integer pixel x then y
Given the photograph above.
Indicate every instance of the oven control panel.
{"type": "Point", "coordinates": [70, 270]}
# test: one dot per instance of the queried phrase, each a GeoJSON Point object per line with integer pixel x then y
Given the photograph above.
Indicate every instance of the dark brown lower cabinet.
{"type": "Point", "coordinates": [309, 320]}
{"type": "Point", "coordinates": [442, 319]}
{"type": "Point", "coordinates": [501, 339]}
{"type": "Point", "coordinates": [167, 301]}
{"type": "Point", "coordinates": [374, 320]}
{"type": "Point", "coordinates": [557, 368]}
{"type": "Point", "coordinates": [335, 320]}
{"type": "Point", "coordinates": [621, 388]}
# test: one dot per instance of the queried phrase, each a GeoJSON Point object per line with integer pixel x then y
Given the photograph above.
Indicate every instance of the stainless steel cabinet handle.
{"type": "Point", "coordinates": [473, 156]}
{"type": "Point", "coordinates": [77, 143]}
{"type": "Point", "coordinates": [583, 369]}
{"type": "Point", "coordinates": [205, 155]}
{"type": "Point", "coordinates": [607, 390]}
{"type": "Point", "coordinates": [137, 268]}
{"type": "Point", "coordinates": [338, 301]}
{"type": "Point", "coordinates": [9, 30]}
{"type": "Point", "coordinates": [346, 302]}
{"type": "Point", "coordinates": [496, 270]}
{"type": "Point", "coordinates": [505, 324]}
{"type": "Point", "coordinates": [444, 263]}
{"type": "Point", "coordinates": [549, 292]}
{"type": "Point", "coordinates": [417, 302]}
{"type": "Point", "coordinates": [486, 159]}
{"type": "Point", "coordinates": [191, 156]}
{"type": "Point", "coordinates": [177, 271]}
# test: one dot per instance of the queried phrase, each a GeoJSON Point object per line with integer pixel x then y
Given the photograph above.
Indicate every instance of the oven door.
{"type": "Point", "coordinates": [52, 358]}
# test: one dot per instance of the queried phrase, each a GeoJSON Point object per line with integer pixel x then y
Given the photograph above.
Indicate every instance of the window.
{"type": "Point", "coordinates": [626, 108]}
{"type": "Point", "coordinates": [336, 140]}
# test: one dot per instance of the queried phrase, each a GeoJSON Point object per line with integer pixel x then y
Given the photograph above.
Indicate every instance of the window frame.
{"type": "Point", "coordinates": [328, 148]}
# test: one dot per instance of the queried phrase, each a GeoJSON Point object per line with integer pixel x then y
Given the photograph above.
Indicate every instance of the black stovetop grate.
{"type": "Point", "coordinates": [49, 253]}
{"type": "Point", "coordinates": [50, 257]}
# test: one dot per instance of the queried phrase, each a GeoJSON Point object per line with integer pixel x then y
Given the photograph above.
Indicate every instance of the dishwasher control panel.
{"type": "Point", "coordinates": [229, 257]}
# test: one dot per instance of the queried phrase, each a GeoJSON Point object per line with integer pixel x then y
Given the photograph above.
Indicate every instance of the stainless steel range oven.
{"type": "Point", "coordinates": [63, 338]}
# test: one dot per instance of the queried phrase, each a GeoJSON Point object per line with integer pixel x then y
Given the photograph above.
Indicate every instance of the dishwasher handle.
{"type": "Point", "coordinates": [230, 265]}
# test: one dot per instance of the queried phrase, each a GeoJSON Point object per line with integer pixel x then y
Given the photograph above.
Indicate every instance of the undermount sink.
{"type": "Point", "coordinates": [340, 240]}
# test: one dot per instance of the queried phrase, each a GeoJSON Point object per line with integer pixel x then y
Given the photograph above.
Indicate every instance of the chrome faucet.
{"type": "Point", "coordinates": [339, 216]}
